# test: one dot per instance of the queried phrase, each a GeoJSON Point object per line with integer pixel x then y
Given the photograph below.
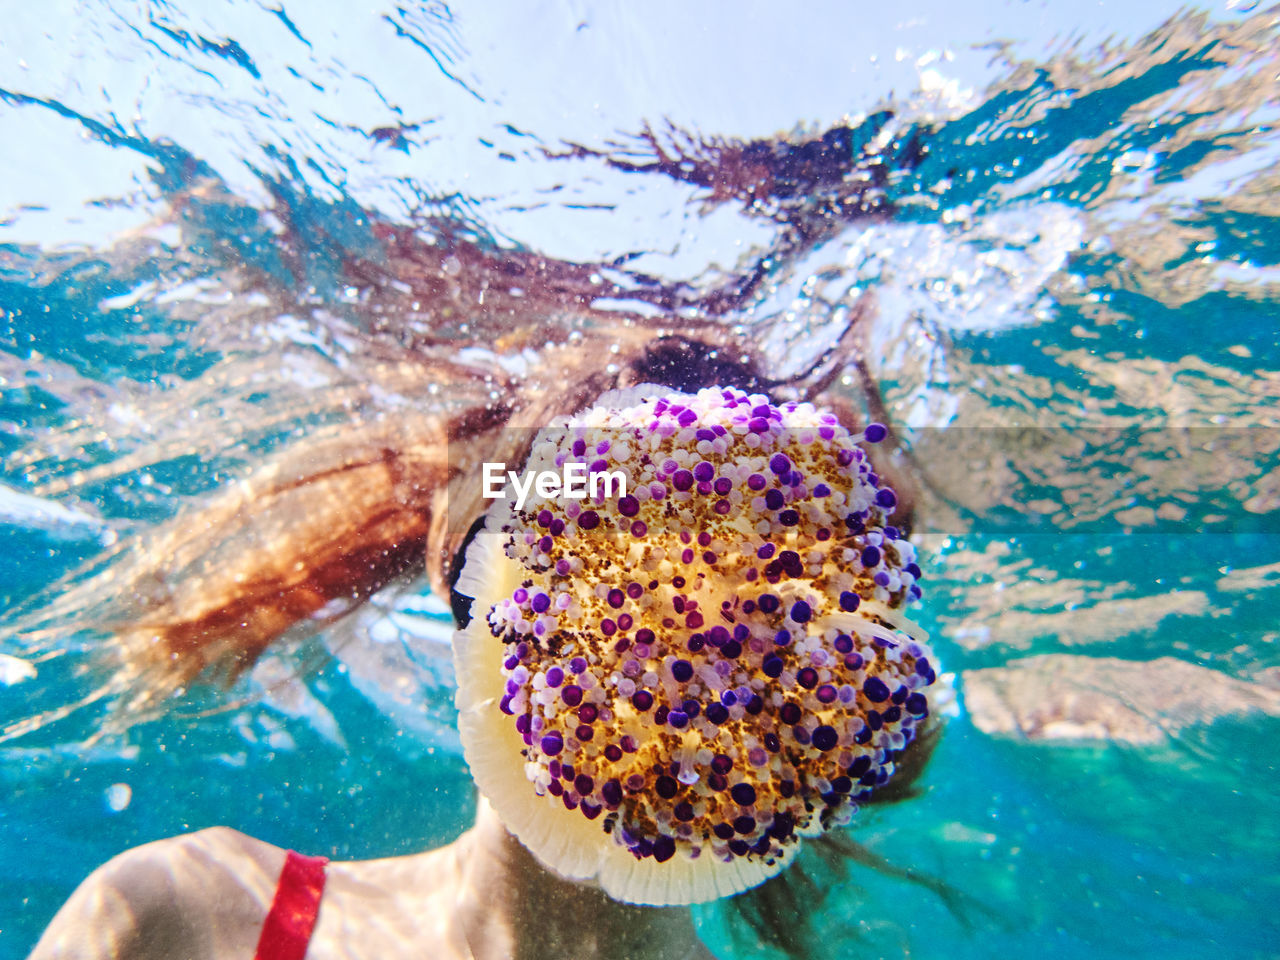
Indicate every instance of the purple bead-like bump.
{"type": "Point", "coordinates": [664, 848]}
{"type": "Point", "coordinates": [875, 432]}
{"type": "Point", "coordinates": [682, 670]}
{"type": "Point", "coordinates": [825, 738]}
{"type": "Point", "coordinates": [801, 611]}
{"type": "Point", "coordinates": [743, 794]}
{"type": "Point", "coordinates": [611, 792]}
{"type": "Point", "coordinates": [870, 556]}
{"type": "Point", "coordinates": [551, 744]}
{"type": "Point", "coordinates": [572, 695]}
{"type": "Point", "coordinates": [876, 690]}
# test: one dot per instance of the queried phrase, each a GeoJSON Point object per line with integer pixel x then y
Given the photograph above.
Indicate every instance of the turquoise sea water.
{"type": "Point", "coordinates": [1072, 257]}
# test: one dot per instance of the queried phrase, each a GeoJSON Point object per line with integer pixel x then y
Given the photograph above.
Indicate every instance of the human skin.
{"type": "Point", "coordinates": [206, 894]}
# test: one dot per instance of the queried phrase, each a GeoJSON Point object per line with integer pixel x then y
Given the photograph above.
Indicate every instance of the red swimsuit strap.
{"type": "Point", "coordinates": [292, 917]}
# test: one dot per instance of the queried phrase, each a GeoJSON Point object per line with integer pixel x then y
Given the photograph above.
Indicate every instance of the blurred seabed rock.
{"type": "Point", "coordinates": [1068, 698]}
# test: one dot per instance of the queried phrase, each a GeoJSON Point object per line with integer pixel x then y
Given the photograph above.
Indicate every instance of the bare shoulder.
{"type": "Point", "coordinates": [389, 908]}
{"type": "Point", "coordinates": [202, 894]}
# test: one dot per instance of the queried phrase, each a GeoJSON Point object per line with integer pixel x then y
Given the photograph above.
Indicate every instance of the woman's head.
{"type": "Point", "coordinates": [664, 690]}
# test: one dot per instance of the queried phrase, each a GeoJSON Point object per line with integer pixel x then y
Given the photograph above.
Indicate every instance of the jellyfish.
{"type": "Point", "coordinates": [663, 687]}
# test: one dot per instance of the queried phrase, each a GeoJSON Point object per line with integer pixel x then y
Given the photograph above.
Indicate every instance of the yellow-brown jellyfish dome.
{"type": "Point", "coordinates": [664, 690]}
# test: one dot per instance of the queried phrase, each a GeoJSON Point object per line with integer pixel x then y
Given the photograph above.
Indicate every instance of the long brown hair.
{"type": "Point", "coordinates": [369, 493]}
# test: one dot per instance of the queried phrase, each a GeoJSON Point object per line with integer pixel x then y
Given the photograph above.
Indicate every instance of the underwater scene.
{"type": "Point", "coordinates": [245, 244]}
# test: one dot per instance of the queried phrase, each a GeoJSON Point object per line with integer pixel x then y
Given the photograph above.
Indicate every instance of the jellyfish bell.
{"type": "Point", "coordinates": [663, 690]}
